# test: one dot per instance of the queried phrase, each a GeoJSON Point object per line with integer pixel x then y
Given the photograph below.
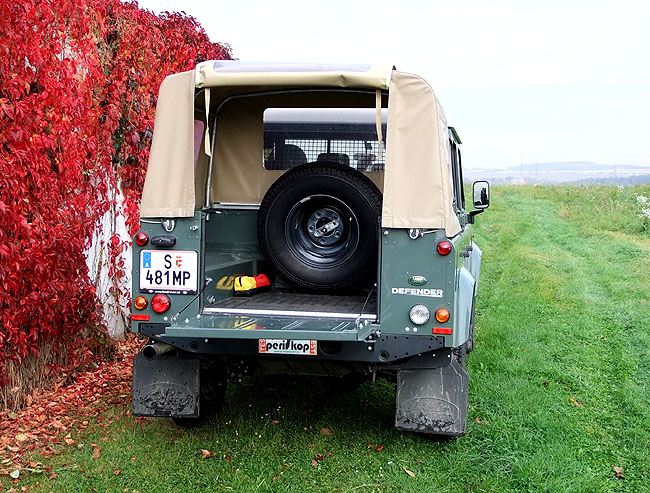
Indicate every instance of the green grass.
{"type": "Point", "coordinates": [559, 384]}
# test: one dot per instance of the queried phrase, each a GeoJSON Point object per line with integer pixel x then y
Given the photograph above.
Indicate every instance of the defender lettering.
{"type": "Point", "coordinates": [431, 293]}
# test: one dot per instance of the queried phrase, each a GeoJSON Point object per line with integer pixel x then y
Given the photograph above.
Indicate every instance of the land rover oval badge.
{"type": "Point", "coordinates": [417, 280]}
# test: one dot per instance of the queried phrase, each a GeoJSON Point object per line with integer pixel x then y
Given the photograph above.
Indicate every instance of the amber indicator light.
{"type": "Point", "coordinates": [442, 315]}
{"type": "Point", "coordinates": [140, 303]}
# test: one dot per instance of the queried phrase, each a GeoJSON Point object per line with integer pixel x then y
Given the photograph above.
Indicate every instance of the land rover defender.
{"type": "Point", "coordinates": [304, 219]}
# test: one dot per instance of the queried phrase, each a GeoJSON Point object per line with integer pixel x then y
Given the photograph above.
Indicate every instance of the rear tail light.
{"type": "Point", "coordinates": [141, 238]}
{"type": "Point", "coordinates": [160, 303]}
{"type": "Point", "coordinates": [140, 303]}
{"type": "Point", "coordinates": [444, 247]}
{"type": "Point", "coordinates": [442, 315]}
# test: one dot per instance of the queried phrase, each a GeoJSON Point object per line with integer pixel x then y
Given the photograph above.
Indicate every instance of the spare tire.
{"type": "Point", "coordinates": [319, 226]}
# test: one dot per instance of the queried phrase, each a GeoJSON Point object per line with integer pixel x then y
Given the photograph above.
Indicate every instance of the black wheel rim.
{"type": "Point", "coordinates": [321, 231]}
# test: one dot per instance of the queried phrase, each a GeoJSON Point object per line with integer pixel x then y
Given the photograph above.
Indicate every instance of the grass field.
{"type": "Point", "coordinates": [559, 384]}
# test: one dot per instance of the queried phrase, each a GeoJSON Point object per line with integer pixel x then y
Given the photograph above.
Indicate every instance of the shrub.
{"type": "Point", "coordinates": [78, 86]}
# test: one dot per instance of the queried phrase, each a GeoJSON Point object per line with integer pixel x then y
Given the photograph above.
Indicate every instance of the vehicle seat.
{"type": "Point", "coordinates": [334, 157]}
{"type": "Point", "coordinates": [285, 156]}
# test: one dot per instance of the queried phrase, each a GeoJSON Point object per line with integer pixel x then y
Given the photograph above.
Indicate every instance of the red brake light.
{"type": "Point", "coordinates": [141, 238]}
{"type": "Point", "coordinates": [160, 303]}
{"type": "Point", "coordinates": [444, 247]}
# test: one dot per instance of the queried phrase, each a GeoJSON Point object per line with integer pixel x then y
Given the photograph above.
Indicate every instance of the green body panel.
{"type": "Point", "coordinates": [232, 230]}
{"type": "Point", "coordinates": [463, 286]}
{"type": "Point", "coordinates": [403, 258]}
{"type": "Point", "coordinates": [188, 237]}
{"type": "Point", "coordinates": [230, 248]}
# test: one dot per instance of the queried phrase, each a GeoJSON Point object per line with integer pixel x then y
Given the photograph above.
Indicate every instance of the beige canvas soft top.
{"type": "Point", "coordinates": [417, 182]}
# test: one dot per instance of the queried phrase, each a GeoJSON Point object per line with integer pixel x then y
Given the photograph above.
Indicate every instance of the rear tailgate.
{"type": "Point", "coordinates": [167, 261]}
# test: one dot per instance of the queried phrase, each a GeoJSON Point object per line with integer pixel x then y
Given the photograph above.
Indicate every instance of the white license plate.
{"type": "Point", "coordinates": [164, 270]}
{"type": "Point", "coordinates": [287, 346]}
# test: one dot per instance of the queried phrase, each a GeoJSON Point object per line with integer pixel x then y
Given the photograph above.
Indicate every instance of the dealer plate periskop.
{"type": "Point", "coordinates": [287, 346]}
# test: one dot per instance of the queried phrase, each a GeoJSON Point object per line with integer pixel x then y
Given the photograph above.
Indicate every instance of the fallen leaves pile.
{"type": "Point", "coordinates": [55, 414]}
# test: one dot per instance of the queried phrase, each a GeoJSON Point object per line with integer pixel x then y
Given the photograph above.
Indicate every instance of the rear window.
{"type": "Point", "coordinates": [346, 136]}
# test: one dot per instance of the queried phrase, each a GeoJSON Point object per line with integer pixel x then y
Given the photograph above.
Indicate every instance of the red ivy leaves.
{"type": "Point", "coordinates": [78, 86]}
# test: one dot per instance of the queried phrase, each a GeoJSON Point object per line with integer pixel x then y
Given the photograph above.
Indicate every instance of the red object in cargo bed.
{"type": "Point", "coordinates": [249, 285]}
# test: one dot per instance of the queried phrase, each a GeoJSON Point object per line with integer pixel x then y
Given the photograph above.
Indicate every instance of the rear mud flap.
{"type": "Point", "coordinates": [166, 386]}
{"type": "Point", "coordinates": [432, 400]}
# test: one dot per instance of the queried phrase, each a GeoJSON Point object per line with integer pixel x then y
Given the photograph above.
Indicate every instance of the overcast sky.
{"type": "Point", "coordinates": [522, 81]}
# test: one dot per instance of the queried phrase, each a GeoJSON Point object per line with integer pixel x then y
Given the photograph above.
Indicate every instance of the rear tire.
{"type": "Point", "coordinates": [319, 226]}
{"type": "Point", "coordinates": [343, 385]}
{"type": "Point", "coordinates": [213, 391]}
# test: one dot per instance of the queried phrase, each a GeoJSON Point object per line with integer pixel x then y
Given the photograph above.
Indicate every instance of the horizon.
{"type": "Point", "coordinates": [554, 163]}
{"type": "Point", "coordinates": [521, 82]}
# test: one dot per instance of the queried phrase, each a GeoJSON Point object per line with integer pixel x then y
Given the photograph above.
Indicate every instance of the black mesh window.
{"type": "Point", "coordinates": [346, 136]}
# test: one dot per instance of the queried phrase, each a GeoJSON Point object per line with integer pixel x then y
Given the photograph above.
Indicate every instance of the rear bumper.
{"type": "Point", "coordinates": [376, 348]}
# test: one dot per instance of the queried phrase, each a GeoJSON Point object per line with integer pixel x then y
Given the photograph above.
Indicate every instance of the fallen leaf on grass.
{"type": "Point", "coordinates": [205, 454]}
{"type": "Point", "coordinates": [97, 453]}
{"type": "Point", "coordinates": [325, 431]}
{"type": "Point", "coordinates": [480, 421]}
{"type": "Point", "coordinates": [116, 472]}
{"type": "Point", "coordinates": [619, 472]}
{"type": "Point", "coordinates": [313, 463]}
{"type": "Point", "coordinates": [419, 460]}
{"type": "Point", "coordinates": [410, 473]}
{"type": "Point", "coordinates": [47, 416]}
{"type": "Point", "coordinates": [379, 448]}
{"type": "Point", "coordinates": [319, 456]}
{"type": "Point", "coordinates": [573, 401]}
{"type": "Point", "coordinates": [275, 422]}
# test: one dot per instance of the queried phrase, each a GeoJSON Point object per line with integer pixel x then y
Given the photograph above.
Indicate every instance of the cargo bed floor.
{"type": "Point", "coordinates": [295, 304]}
